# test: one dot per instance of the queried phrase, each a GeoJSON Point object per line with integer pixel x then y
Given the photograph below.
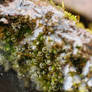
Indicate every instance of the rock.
{"type": "Point", "coordinates": [45, 47]}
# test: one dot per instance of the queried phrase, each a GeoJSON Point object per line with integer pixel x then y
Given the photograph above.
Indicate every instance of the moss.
{"type": "Point", "coordinates": [70, 16]}
{"type": "Point", "coordinates": [67, 15]}
{"type": "Point", "coordinates": [42, 59]}
{"type": "Point", "coordinates": [80, 25]}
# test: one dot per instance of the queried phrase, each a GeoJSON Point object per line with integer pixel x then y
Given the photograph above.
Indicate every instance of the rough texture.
{"type": "Point", "coordinates": [43, 46]}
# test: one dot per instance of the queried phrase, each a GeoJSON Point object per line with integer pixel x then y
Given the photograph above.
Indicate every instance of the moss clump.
{"type": "Point", "coordinates": [35, 60]}
{"type": "Point", "coordinates": [70, 16]}
{"type": "Point", "coordinates": [37, 51]}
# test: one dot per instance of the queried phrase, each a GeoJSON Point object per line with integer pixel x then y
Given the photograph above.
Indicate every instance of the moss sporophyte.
{"type": "Point", "coordinates": [44, 51]}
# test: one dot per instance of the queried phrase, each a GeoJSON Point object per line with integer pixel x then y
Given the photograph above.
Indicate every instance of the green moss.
{"type": "Point", "coordinates": [33, 59]}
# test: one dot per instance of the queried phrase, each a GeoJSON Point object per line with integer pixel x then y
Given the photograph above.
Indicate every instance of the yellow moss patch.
{"type": "Point", "coordinates": [70, 16]}
{"type": "Point", "coordinates": [80, 25]}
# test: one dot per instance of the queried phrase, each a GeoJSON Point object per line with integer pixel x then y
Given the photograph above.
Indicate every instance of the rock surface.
{"type": "Point", "coordinates": [45, 47]}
